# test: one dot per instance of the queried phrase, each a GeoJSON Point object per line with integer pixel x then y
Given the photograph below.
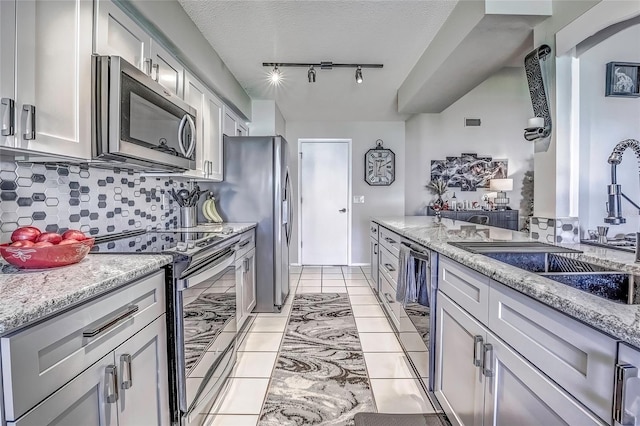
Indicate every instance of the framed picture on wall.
{"type": "Point", "coordinates": [622, 79]}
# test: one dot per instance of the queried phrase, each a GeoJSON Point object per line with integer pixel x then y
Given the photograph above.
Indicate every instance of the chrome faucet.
{"type": "Point", "coordinates": [614, 204]}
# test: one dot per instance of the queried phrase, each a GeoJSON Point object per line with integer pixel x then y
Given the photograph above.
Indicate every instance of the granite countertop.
{"type": "Point", "coordinates": [30, 295]}
{"type": "Point", "coordinates": [236, 228]}
{"type": "Point", "coordinates": [616, 319]}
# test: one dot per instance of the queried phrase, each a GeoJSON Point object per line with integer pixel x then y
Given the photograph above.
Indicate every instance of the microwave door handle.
{"type": "Point", "coordinates": [180, 130]}
{"type": "Point", "coordinates": [192, 147]}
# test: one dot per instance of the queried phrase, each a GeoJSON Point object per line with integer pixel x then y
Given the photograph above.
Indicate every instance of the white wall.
{"type": "Point", "coordinates": [605, 121]}
{"type": "Point", "coordinates": [379, 201]}
{"type": "Point", "coordinates": [502, 103]}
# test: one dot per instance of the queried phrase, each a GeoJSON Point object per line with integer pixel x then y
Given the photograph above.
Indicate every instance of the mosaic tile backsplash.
{"type": "Point", "coordinates": [97, 201]}
{"type": "Point", "coordinates": [558, 230]}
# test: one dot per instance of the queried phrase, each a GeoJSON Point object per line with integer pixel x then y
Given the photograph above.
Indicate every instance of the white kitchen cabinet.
{"type": "Point", "coordinates": [518, 394]}
{"type": "Point", "coordinates": [480, 380]}
{"type": "Point", "coordinates": [233, 125]}
{"type": "Point", "coordinates": [626, 408]}
{"type": "Point", "coordinates": [143, 385]}
{"type": "Point", "coordinates": [373, 252]}
{"type": "Point", "coordinates": [86, 400]}
{"type": "Point", "coordinates": [209, 138]}
{"type": "Point", "coordinates": [459, 382]}
{"type": "Point", "coordinates": [245, 286]}
{"type": "Point", "coordinates": [7, 72]}
{"type": "Point", "coordinates": [115, 33]}
{"type": "Point", "coordinates": [53, 77]}
{"type": "Point", "coordinates": [166, 70]}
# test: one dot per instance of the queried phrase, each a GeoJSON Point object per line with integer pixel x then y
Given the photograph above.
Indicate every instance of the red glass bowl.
{"type": "Point", "coordinates": [46, 257]}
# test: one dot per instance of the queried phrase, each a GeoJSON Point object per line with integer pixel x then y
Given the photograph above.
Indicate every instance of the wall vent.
{"type": "Point", "coordinates": [472, 122]}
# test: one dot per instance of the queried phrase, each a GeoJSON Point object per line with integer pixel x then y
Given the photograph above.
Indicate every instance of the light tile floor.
{"type": "Point", "coordinates": [393, 382]}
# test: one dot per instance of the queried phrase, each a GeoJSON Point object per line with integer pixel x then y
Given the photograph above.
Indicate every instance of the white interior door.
{"type": "Point", "coordinates": [324, 196]}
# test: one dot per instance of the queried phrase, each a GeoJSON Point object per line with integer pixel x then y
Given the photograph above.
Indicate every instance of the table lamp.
{"type": "Point", "coordinates": [501, 186]}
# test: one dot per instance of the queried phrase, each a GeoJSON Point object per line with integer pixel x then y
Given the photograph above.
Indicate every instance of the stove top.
{"type": "Point", "coordinates": [155, 242]}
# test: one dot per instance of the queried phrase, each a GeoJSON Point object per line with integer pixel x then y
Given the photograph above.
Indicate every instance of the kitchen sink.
{"type": "Point", "coordinates": [556, 263]}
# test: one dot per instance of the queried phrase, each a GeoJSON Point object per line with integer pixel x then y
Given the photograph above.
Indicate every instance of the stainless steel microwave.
{"type": "Point", "coordinates": [138, 121]}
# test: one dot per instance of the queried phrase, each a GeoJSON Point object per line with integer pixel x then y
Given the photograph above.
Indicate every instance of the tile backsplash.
{"type": "Point", "coordinates": [54, 197]}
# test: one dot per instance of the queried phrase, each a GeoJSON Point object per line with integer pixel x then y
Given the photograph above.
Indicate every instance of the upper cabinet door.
{"type": "Point", "coordinates": [7, 72]}
{"type": "Point", "coordinates": [229, 123]}
{"type": "Point", "coordinates": [213, 136]}
{"type": "Point", "coordinates": [166, 70]}
{"type": "Point", "coordinates": [117, 34]}
{"type": "Point", "coordinates": [53, 78]}
{"type": "Point", "coordinates": [194, 95]}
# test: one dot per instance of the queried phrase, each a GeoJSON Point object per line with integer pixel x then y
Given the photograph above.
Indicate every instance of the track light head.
{"type": "Point", "coordinates": [275, 76]}
{"type": "Point", "coordinates": [359, 74]}
{"type": "Point", "coordinates": [311, 74]}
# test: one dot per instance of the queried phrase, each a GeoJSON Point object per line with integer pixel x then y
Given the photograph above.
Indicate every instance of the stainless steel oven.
{"type": "Point", "coordinates": [138, 121]}
{"type": "Point", "coordinates": [205, 328]}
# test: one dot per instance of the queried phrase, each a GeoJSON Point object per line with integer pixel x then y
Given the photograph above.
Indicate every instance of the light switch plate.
{"type": "Point", "coordinates": [358, 199]}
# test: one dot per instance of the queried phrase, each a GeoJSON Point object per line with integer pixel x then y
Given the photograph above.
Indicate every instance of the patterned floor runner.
{"type": "Point", "coordinates": [320, 377]}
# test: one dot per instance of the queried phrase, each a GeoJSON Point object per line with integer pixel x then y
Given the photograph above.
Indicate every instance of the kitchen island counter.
{"type": "Point", "coordinates": [616, 319]}
{"type": "Point", "coordinates": [32, 295]}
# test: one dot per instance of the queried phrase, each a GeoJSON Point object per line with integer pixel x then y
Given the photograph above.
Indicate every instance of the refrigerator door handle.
{"type": "Point", "coordinates": [288, 194]}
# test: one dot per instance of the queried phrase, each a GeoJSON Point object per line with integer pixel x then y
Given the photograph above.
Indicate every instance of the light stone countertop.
{"type": "Point", "coordinates": [616, 319]}
{"type": "Point", "coordinates": [27, 296]}
{"type": "Point", "coordinates": [30, 295]}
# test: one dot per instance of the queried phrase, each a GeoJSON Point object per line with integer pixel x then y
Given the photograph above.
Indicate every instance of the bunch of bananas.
{"type": "Point", "coordinates": [210, 212]}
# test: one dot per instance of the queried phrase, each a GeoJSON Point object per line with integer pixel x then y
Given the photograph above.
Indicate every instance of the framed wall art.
{"type": "Point", "coordinates": [622, 79]}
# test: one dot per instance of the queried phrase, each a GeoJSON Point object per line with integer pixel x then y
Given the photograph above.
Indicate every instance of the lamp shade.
{"type": "Point", "coordinates": [501, 184]}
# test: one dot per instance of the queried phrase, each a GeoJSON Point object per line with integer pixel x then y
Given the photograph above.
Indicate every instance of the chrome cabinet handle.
{"type": "Point", "coordinates": [30, 123]}
{"type": "Point", "coordinates": [375, 248]}
{"type": "Point", "coordinates": [374, 230]}
{"type": "Point", "coordinates": [389, 267]}
{"type": "Point", "coordinates": [486, 360]}
{"type": "Point", "coordinates": [206, 168]}
{"type": "Point", "coordinates": [210, 168]}
{"type": "Point", "coordinates": [125, 361]}
{"type": "Point", "coordinates": [111, 383]}
{"type": "Point", "coordinates": [476, 360]}
{"type": "Point", "coordinates": [246, 265]}
{"type": "Point", "coordinates": [148, 63]}
{"type": "Point", "coordinates": [623, 373]}
{"type": "Point", "coordinates": [245, 243]}
{"type": "Point", "coordinates": [389, 298]}
{"type": "Point", "coordinates": [155, 72]}
{"type": "Point", "coordinates": [390, 240]}
{"type": "Point", "coordinates": [111, 322]}
{"type": "Point", "coordinates": [8, 116]}
{"type": "Point", "coordinates": [342, 210]}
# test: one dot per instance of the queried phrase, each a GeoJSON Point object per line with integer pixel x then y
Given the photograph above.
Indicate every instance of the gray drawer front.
{"type": "Point", "coordinates": [373, 230]}
{"type": "Point", "coordinates": [466, 287]}
{"type": "Point", "coordinates": [388, 297]}
{"type": "Point", "coordinates": [247, 242]}
{"type": "Point", "coordinates": [390, 241]}
{"type": "Point", "coordinates": [389, 266]}
{"type": "Point", "coordinates": [40, 359]}
{"type": "Point", "coordinates": [574, 355]}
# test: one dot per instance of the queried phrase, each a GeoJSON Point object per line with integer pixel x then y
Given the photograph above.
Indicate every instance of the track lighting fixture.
{"type": "Point", "coordinates": [311, 74]}
{"type": "Point", "coordinates": [359, 74]}
{"type": "Point", "coordinates": [276, 76]}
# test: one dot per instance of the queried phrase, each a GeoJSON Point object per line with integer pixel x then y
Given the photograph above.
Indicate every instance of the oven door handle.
{"type": "Point", "coordinates": [208, 270]}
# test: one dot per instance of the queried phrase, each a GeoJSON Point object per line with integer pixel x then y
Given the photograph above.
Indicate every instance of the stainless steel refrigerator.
{"type": "Point", "coordinates": [257, 188]}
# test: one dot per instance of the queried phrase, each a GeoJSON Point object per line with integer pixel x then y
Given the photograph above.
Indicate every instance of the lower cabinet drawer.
{"type": "Point", "coordinates": [388, 297]}
{"type": "Point", "coordinates": [389, 266]}
{"type": "Point", "coordinates": [40, 359]}
{"type": "Point", "coordinates": [466, 287]}
{"type": "Point", "coordinates": [247, 242]}
{"type": "Point", "coordinates": [577, 357]}
{"type": "Point", "coordinates": [390, 241]}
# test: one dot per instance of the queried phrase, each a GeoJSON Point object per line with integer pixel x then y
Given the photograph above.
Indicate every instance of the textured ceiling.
{"type": "Point", "coordinates": [395, 33]}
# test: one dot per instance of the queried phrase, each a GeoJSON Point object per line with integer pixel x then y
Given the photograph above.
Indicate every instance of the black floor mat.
{"type": "Point", "coordinates": [376, 419]}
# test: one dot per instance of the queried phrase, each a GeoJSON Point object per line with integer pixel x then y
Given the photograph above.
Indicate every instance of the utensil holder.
{"type": "Point", "coordinates": [188, 216]}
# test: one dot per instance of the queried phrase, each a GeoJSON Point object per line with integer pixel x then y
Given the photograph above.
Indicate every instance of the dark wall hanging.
{"type": "Point", "coordinates": [469, 171]}
{"type": "Point", "coordinates": [537, 90]}
{"type": "Point", "coordinates": [622, 79]}
{"type": "Point", "coordinates": [379, 166]}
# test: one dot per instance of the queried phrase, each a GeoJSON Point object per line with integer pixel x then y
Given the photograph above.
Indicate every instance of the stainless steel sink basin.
{"type": "Point", "coordinates": [483, 247]}
{"type": "Point", "coordinates": [556, 263]}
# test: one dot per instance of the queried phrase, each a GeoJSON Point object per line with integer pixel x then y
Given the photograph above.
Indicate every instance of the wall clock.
{"type": "Point", "coordinates": [379, 166]}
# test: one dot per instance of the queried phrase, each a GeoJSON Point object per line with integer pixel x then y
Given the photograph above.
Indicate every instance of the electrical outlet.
{"type": "Point", "coordinates": [358, 199]}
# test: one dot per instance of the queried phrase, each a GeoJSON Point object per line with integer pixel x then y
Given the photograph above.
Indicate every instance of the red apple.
{"type": "Point", "coordinates": [22, 243]}
{"type": "Point", "coordinates": [74, 234]}
{"type": "Point", "coordinates": [29, 233]}
{"type": "Point", "coordinates": [67, 242]}
{"type": "Point", "coordinates": [43, 244]}
{"type": "Point", "coordinates": [51, 237]}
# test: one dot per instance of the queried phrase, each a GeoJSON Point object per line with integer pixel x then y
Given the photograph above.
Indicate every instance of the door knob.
{"type": "Point", "coordinates": [342, 210]}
